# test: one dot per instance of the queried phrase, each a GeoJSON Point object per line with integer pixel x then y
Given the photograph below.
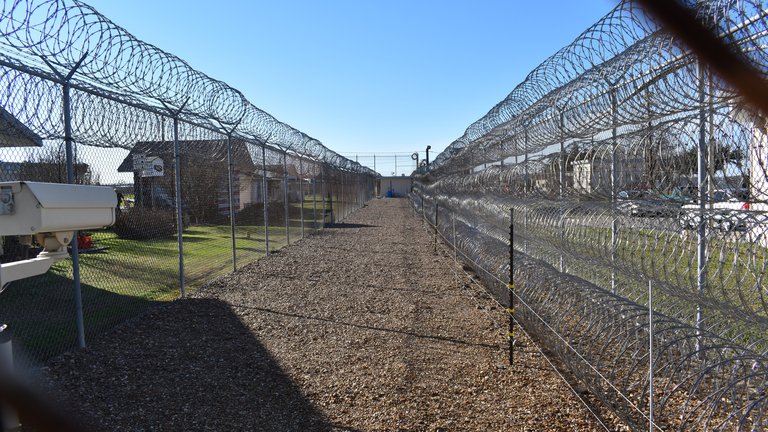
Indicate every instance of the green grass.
{"type": "Point", "coordinates": [734, 271]}
{"type": "Point", "coordinates": [132, 275]}
{"type": "Point", "coordinates": [121, 282]}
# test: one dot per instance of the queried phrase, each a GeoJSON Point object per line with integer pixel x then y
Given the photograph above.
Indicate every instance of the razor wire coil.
{"type": "Point", "coordinates": [628, 162]}
{"type": "Point", "coordinates": [41, 42]}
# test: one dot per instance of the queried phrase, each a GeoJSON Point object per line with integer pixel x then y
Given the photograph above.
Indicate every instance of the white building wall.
{"type": "Point", "coordinates": [400, 186]}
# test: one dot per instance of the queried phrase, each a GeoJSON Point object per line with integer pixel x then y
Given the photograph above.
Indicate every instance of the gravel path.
{"type": "Point", "coordinates": [360, 327]}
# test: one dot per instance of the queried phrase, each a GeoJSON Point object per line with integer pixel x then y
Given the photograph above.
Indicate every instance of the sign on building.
{"type": "Point", "coordinates": [148, 166]}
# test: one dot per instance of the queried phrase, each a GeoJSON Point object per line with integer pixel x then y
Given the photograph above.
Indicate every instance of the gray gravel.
{"type": "Point", "coordinates": [360, 327]}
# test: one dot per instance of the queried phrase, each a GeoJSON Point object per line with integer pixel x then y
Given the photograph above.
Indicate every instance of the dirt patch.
{"type": "Point", "coordinates": [360, 327]}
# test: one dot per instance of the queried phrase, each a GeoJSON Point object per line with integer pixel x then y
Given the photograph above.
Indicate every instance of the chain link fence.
{"type": "Point", "coordinates": [206, 182]}
{"type": "Point", "coordinates": [629, 173]}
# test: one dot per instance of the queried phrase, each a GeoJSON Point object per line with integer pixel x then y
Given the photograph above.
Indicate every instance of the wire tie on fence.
{"type": "Point", "coordinates": [511, 310]}
{"type": "Point", "coordinates": [511, 286]}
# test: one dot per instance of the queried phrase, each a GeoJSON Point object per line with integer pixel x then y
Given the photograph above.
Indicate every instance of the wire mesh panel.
{"type": "Point", "coordinates": [207, 241]}
{"type": "Point", "coordinates": [250, 235]}
{"type": "Point", "coordinates": [628, 164]}
{"type": "Point", "coordinates": [201, 176]}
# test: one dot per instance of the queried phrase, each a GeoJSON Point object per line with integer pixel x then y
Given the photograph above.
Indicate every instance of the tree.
{"type": "Point", "coordinates": [50, 165]}
{"type": "Point", "coordinates": [724, 155]}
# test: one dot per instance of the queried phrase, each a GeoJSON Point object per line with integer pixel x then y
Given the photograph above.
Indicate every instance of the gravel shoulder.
{"type": "Point", "coordinates": [360, 327]}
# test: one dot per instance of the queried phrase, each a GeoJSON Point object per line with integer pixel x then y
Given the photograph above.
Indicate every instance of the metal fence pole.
{"type": "Point", "coordinates": [349, 204]}
{"type": "Point", "coordinates": [179, 216]}
{"type": "Point", "coordinates": [330, 197]}
{"type": "Point", "coordinates": [437, 207]}
{"type": "Point", "coordinates": [395, 164]}
{"type": "Point", "coordinates": [562, 190]}
{"type": "Point", "coordinates": [265, 196]}
{"type": "Point", "coordinates": [511, 286]}
{"type": "Point", "coordinates": [614, 144]}
{"type": "Point", "coordinates": [230, 176]}
{"type": "Point", "coordinates": [650, 355]}
{"type": "Point", "coordinates": [322, 181]}
{"type": "Point", "coordinates": [348, 196]}
{"type": "Point", "coordinates": [525, 229]}
{"type": "Point", "coordinates": [301, 195]}
{"type": "Point", "coordinates": [285, 198]}
{"type": "Point", "coordinates": [614, 249]}
{"type": "Point", "coordinates": [68, 143]}
{"type": "Point", "coordinates": [455, 248]}
{"type": "Point", "coordinates": [526, 182]}
{"type": "Point", "coordinates": [423, 217]}
{"type": "Point", "coordinates": [345, 195]}
{"type": "Point", "coordinates": [701, 232]}
{"type": "Point", "coordinates": [341, 201]}
{"type": "Point", "coordinates": [314, 201]}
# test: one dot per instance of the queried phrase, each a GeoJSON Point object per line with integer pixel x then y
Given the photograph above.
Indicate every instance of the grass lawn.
{"type": "Point", "coordinates": [131, 275]}
{"type": "Point", "coordinates": [734, 269]}
{"type": "Point", "coordinates": [121, 282]}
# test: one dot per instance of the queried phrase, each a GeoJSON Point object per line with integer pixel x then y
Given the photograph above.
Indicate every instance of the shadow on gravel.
{"type": "Point", "coordinates": [365, 327]}
{"type": "Point", "coordinates": [192, 366]}
{"type": "Point", "coordinates": [349, 225]}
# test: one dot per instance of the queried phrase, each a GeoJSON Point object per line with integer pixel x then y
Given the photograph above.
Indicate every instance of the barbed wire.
{"type": "Point", "coordinates": [627, 162]}
{"type": "Point", "coordinates": [123, 87]}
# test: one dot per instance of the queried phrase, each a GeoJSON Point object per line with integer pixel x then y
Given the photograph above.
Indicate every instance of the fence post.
{"type": "Point", "coordinates": [437, 207]}
{"type": "Point", "coordinates": [230, 175]}
{"type": "Point", "coordinates": [511, 286]}
{"type": "Point", "coordinates": [650, 355]}
{"type": "Point", "coordinates": [395, 164]}
{"type": "Point", "coordinates": [285, 198]}
{"type": "Point", "coordinates": [177, 187]}
{"type": "Point", "coordinates": [562, 190]}
{"type": "Point", "coordinates": [340, 207]}
{"type": "Point", "coordinates": [179, 216]}
{"type": "Point", "coordinates": [701, 240]}
{"type": "Point", "coordinates": [322, 181]}
{"type": "Point", "coordinates": [68, 143]}
{"type": "Point", "coordinates": [265, 195]}
{"type": "Point", "coordinates": [423, 216]}
{"type": "Point", "coordinates": [9, 417]}
{"type": "Point", "coordinates": [526, 189]}
{"type": "Point", "coordinates": [455, 248]}
{"type": "Point", "coordinates": [614, 145]}
{"type": "Point", "coordinates": [314, 201]}
{"type": "Point", "coordinates": [348, 196]}
{"type": "Point", "coordinates": [301, 194]}
{"type": "Point", "coordinates": [525, 229]}
{"type": "Point", "coordinates": [614, 248]}
{"type": "Point", "coordinates": [331, 194]}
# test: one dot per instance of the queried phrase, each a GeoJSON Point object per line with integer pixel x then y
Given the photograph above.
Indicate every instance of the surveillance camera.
{"type": "Point", "coordinates": [52, 212]}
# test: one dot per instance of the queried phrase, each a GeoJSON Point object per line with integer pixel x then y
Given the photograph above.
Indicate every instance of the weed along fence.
{"type": "Point", "coordinates": [206, 182]}
{"type": "Point", "coordinates": [636, 176]}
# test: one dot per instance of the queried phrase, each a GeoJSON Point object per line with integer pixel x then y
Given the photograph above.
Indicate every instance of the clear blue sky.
{"type": "Point", "coordinates": [365, 75]}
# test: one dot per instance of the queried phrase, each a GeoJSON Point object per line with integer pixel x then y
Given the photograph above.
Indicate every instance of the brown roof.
{"type": "Point", "coordinates": [205, 150]}
{"type": "Point", "coordinates": [14, 133]}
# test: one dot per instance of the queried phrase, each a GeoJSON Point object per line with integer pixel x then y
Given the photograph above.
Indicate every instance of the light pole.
{"type": "Point", "coordinates": [427, 159]}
